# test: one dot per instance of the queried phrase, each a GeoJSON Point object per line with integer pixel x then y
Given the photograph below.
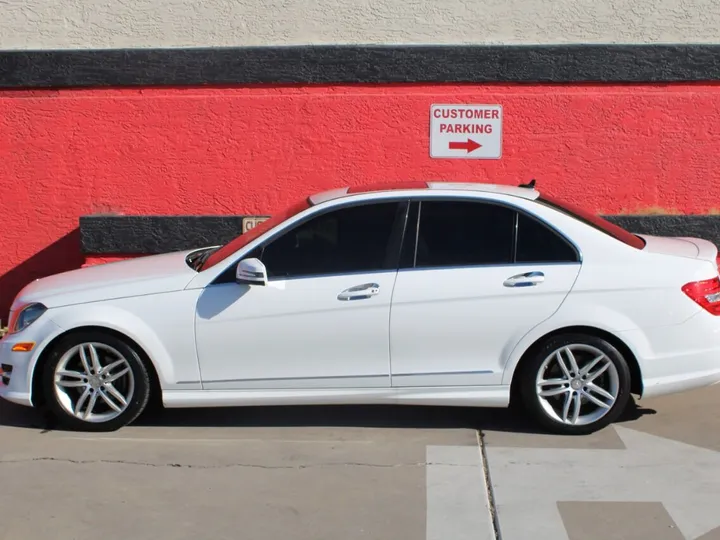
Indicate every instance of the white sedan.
{"type": "Point", "coordinates": [422, 293]}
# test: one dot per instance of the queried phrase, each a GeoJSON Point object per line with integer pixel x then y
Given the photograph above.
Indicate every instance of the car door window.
{"type": "Point", "coordinates": [464, 233]}
{"type": "Point", "coordinates": [361, 238]}
{"type": "Point", "coordinates": [537, 243]}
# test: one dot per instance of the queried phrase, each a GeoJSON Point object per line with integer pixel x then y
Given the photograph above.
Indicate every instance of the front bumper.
{"type": "Point", "coordinates": [16, 379]}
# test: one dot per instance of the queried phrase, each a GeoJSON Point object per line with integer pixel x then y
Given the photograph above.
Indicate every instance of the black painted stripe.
{"type": "Point", "coordinates": [360, 64]}
{"type": "Point", "coordinates": [129, 235]}
{"type": "Point", "coordinates": [142, 235]}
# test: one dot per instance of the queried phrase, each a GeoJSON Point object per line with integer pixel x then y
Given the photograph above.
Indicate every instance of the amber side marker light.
{"type": "Point", "coordinates": [23, 346]}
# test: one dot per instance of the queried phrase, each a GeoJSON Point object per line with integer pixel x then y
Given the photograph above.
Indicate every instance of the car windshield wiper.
{"type": "Point", "coordinates": [196, 259]}
{"type": "Point", "coordinates": [200, 261]}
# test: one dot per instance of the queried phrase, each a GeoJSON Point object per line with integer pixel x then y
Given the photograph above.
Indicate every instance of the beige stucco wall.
{"type": "Point", "coordinates": [43, 24]}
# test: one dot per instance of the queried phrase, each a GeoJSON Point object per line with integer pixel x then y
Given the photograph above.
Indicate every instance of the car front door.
{"type": "Point", "coordinates": [322, 319]}
{"type": "Point", "coordinates": [482, 275]}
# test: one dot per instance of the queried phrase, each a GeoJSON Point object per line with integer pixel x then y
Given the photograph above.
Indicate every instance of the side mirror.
{"type": "Point", "coordinates": [251, 272]}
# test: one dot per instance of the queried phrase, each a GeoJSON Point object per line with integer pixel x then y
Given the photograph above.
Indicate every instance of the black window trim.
{"type": "Point", "coordinates": [408, 255]}
{"type": "Point", "coordinates": [399, 227]}
{"type": "Point", "coordinates": [418, 199]}
{"type": "Point", "coordinates": [516, 224]}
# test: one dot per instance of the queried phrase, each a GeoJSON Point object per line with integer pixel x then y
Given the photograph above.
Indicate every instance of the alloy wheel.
{"type": "Point", "coordinates": [577, 384]}
{"type": "Point", "coordinates": [94, 382]}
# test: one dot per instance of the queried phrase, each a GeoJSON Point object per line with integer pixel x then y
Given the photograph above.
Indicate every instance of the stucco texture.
{"type": "Point", "coordinates": [253, 151]}
{"type": "Point", "coordinates": [64, 24]}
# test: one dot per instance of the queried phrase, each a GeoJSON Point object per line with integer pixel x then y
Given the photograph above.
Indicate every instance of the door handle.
{"type": "Point", "coordinates": [360, 292]}
{"type": "Point", "coordinates": [529, 279]}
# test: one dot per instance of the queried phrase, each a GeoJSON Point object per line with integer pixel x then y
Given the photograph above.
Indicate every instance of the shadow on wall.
{"type": "Point", "coordinates": [60, 256]}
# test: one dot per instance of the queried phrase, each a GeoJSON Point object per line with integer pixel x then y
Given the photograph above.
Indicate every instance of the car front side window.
{"type": "Point", "coordinates": [353, 239]}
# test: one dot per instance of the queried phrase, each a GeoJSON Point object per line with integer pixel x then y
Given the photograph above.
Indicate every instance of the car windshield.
{"type": "Point", "coordinates": [244, 239]}
{"type": "Point", "coordinates": [595, 221]}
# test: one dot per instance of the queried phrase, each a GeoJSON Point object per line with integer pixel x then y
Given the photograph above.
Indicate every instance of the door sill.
{"type": "Point", "coordinates": [460, 396]}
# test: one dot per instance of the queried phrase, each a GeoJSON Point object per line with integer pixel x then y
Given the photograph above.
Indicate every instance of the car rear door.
{"type": "Point", "coordinates": [477, 277]}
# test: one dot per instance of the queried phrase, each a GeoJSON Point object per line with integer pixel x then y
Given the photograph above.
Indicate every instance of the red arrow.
{"type": "Point", "coordinates": [468, 145]}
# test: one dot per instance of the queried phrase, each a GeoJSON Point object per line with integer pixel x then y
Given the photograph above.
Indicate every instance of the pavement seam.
{"type": "Point", "coordinates": [226, 466]}
{"type": "Point", "coordinates": [489, 492]}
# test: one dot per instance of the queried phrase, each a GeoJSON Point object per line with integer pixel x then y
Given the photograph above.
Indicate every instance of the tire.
{"type": "Point", "coordinates": [553, 412]}
{"type": "Point", "coordinates": [124, 383]}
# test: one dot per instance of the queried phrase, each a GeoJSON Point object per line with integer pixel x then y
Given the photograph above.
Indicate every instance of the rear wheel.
{"type": "Point", "coordinates": [94, 381]}
{"type": "Point", "coordinates": [575, 384]}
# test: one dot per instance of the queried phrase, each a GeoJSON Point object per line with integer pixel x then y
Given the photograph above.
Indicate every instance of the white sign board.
{"type": "Point", "coordinates": [466, 131]}
{"type": "Point", "coordinates": [250, 222]}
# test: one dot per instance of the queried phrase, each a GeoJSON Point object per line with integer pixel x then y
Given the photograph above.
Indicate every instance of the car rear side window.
{"type": "Point", "coordinates": [464, 233]}
{"type": "Point", "coordinates": [537, 243]}
{"type": "Point", "coordinates": [348, 240]}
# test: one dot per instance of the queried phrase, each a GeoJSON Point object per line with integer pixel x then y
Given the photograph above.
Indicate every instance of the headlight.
{"type": "Point", "coordinates": [25, 317]}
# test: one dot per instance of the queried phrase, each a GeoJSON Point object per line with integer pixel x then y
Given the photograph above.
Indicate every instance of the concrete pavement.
{"type": "Point", "coordinates": [655, 475]}
{"type": "Point", "coordinates": [365, 472]}
{"type": "Point", "coordinates": [226, 474]}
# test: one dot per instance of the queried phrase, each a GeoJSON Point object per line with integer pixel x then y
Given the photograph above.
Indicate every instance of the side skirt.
{"type": "Point", "coordinates": [459, 396]}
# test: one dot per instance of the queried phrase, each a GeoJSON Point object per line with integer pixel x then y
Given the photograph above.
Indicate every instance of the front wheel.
{"type": "Point", "coordinates": [575, 384]}
{"type": "Point", "coordinates": [94, 381]}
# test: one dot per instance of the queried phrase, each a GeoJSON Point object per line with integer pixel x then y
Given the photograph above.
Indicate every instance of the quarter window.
{"type": "Point", "coordinates": [349, 240]}
{"type": "Point", "coordinates": [536, 243]}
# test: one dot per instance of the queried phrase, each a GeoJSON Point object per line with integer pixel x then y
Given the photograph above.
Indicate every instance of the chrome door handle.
{"type": "Point", "coordinates": [529, 279]}
{"type": "Point", "coordinates": [360, 292]}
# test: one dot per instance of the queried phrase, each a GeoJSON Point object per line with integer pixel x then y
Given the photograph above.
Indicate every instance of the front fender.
{"type": "Point", "coordinates": [124, 322]}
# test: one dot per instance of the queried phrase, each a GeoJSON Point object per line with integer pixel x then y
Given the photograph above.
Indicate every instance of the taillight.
{"type": "Point", "coordinates": [706, 293]}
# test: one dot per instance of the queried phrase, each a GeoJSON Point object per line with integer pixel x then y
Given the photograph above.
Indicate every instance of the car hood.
{"type": "Point", "coordinates": [145, 275]}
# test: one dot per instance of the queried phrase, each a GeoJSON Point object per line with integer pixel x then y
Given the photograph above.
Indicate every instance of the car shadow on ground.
{"type": "Point", "coordinates": [367, 416]}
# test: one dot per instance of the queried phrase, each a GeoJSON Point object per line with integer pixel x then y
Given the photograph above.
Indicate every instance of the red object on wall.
{"type": "Point", "coordinates": [63, 154]}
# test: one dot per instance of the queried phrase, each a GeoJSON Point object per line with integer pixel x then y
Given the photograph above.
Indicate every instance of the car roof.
{"type": "Point", "coordinates": [513, 191]}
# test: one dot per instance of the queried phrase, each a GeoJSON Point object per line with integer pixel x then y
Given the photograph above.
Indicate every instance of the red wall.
{"type": "Point", "coordinates": [64, 154]}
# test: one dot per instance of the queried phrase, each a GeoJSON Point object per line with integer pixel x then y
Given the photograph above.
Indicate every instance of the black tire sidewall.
{"type": "Point", "coordinates": [142, 382]}
{"type": "Point", "coordinates": [531, 400]}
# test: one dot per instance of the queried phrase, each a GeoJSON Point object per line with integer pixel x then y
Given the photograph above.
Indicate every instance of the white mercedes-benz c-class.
{"type": "Point", "coordinates": [421, 293]}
